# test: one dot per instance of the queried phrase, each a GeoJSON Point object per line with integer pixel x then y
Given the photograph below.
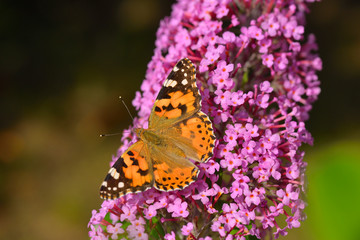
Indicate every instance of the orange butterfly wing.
{"type": "Point", "coordinates": [132, 172]}
{"type": "Point", "coordinates": [172, 170]}
{"type": "Point", "coordinates": [195, 136]}
{"type": "Point", "coordinates": [179, 98]}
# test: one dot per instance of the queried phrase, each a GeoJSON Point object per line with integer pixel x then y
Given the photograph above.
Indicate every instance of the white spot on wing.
{"type": "Point", "coordinates": [175, 69]}
{"type": "Point", "coordinates": [166, 83]}
{"type": "Point", "coordinates": [170, 82]}
{"type": "Point", "coordinates": [173, 84]}
{"type": "Point", "coordinates": [120, 184]}
{"type": "Point", "coordinates": [184, 82]}
{"type": "Point", "coordinates": [114, 173]}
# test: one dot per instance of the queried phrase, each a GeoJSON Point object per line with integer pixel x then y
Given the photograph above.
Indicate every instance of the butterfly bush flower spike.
{"type": "Point", "coordinates": [256, 81]}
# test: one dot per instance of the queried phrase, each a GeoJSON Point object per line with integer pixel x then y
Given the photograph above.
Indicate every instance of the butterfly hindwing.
{"type": "Point", "coordinates": [172, 170]}
{"type": "Point", "coordinates": [195, 136]}
{"type": "Point", "coordinates": [179, 97]}
{"type": "Point", "coordinates": [169, 178]}
{"type": "Point", "coordinates": [132, 172]}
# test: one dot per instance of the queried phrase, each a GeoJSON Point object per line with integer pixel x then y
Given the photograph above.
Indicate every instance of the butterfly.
{"type": "Point", "coordinates": [178, 131]}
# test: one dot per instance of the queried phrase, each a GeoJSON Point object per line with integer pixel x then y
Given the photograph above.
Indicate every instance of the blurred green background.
{"type": "Point", "coordinates": [63, 65]}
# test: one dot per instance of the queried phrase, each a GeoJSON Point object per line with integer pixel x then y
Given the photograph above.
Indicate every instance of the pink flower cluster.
{"type": "Point", "coordinates": [256, 72]}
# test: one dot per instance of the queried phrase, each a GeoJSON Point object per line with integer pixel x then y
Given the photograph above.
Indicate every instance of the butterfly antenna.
{"type": "Point", "coordinates": [127, 109]}
{"type": "Point", "coordinates": [122, 100]}
{"type": "Point", "coordinates": [110, 134]}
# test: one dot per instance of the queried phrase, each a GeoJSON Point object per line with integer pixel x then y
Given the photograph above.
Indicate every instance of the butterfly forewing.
{"type": "Point", "coordinates": [179, 97]}
{"type": "Point", "coordinates": [132, 172]}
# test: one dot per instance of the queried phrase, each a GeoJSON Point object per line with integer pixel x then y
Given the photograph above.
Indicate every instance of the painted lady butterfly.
{"type": "Point", "coordinates": [178, 131]}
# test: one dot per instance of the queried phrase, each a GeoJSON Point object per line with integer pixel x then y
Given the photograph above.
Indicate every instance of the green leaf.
{"type": "Point", "coordinates": [251, 237]}
{"type": "Point", "coordinates": [157, 230]}
{"type": "Point", "coordinates": [235, 230]}
{"type": "Point", "coordinates": [245, 78]}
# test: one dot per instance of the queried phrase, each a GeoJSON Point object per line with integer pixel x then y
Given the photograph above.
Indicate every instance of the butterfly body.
{"type": "Point", "coordinates": [149, 136]}
{"type": "Point", "coordinates": [178, 134]}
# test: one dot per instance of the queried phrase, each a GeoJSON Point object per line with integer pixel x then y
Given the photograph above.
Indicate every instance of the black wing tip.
{"type": "Point", "coordinates": [185, 61]}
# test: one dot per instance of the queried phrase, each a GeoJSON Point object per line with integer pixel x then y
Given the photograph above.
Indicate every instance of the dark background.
{"type": "Point", "coordinates": [63, 65]}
